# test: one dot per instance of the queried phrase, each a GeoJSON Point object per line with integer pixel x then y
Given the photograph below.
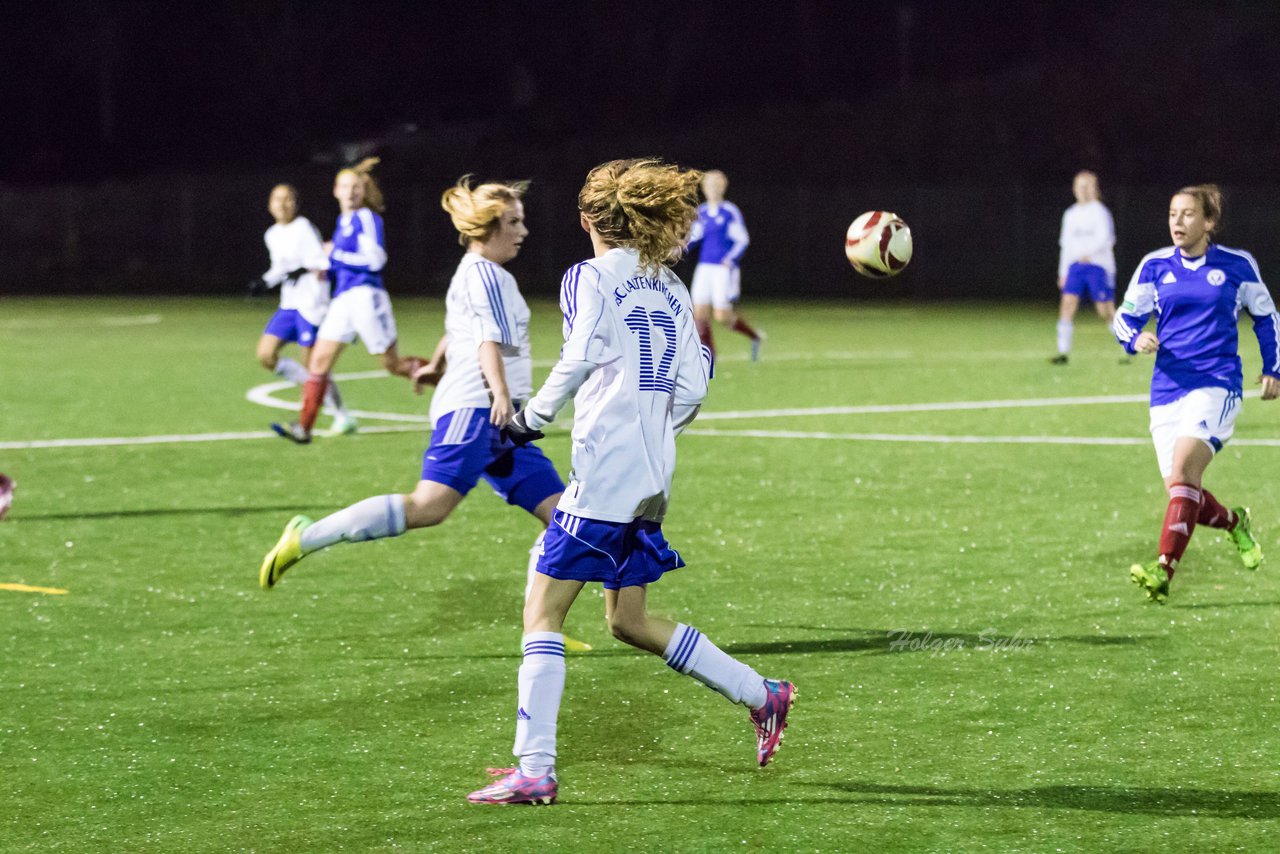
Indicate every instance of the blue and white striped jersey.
{"type": "Point", "coordinates": [1196, 302]}
{"type": "Point", "coordinates": [483, 304]}
{"type": "Point", "coordinates": [636, 371]}
{"type": "Point", "coordinates": [719, 233]}
{"type": "Point", "coordinates": [359, 251]}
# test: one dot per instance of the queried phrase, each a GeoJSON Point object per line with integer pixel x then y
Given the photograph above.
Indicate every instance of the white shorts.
{"type": "Point", "coordinates": [364, 311]}
{"type": "Point", "coordinates": [716, 285]}
{"type": "Point", "coordinates": [1207, 414]}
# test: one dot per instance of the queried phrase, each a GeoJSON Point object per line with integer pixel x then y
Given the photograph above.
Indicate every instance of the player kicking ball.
{"type": "Point", "coordinates": [634, 368]}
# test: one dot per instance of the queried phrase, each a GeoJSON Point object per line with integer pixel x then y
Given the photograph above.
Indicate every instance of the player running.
{"type": "Point", "coordinates": [1087, 261]}
{"type": "Point", "coordinates": [360, 306]}
{"type": "Point", "coordinates": [633, 367]}
{"type": "Point", "coordinates": [720, 235]}
{"type": "Point", "coordinates": [489, 372]}
{"type": "Point", "coordinates": [298, 265]}
{"type": "Point", "coordinates": [1196, 288]}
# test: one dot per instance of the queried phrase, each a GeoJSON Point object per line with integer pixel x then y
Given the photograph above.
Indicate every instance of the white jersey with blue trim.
{"type": "Point", "coordinates": [718, 233]}
{"type": "Point", "coordinates": [1196, 302]}
{"type": "Point", "coordinates": [296, 245]}
{"type": "Point", "coordinates": [359, 251]}
{"type": "Point", "coordinates": [483, 304]}
{"type": "Point", "coordinates": [636, 371]}
{"type": "Point", "coordinates": [1088, 232]}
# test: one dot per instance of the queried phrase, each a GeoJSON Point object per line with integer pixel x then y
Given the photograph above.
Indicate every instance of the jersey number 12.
{"type": "Point", "coordinates": [654, 373]}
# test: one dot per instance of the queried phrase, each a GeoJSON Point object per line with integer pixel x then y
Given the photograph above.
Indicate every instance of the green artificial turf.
{"type": "Point", "coordinates": [975, 670]}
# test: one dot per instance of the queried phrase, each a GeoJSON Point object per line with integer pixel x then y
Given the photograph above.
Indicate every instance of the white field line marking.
{"type": "Point", "coordinates": [135, 320]}
{"type": "Point", "coordinates": [62, 323]}
{"type": "Point", "coordinates": [958, 440]}
{"type": "Point", "coordinates": [262, 396]}
{"type": "Point", "coordinates": [177, 438]}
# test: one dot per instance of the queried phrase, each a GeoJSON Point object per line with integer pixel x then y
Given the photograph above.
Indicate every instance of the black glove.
{"type": "Point", "coordinates": [256, 288]}
{"type": "Point", "coordinates": [293, 275]}
{"type": "Point", "coordinates": [518, 433]}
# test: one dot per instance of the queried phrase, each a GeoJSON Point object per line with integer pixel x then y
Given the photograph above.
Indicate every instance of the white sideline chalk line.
{"type": "Point", "coordinates": [262, 395]}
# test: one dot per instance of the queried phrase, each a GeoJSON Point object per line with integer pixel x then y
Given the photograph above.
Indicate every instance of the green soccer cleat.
{"type": "Point", "coordinates": [1152, 578]}
{"type": "Point", "coordinates": [1242, 536]}
{"type": "Point", "coordinates": [286, 552]}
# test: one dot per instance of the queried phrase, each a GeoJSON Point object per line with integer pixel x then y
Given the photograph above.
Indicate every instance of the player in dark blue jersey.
{"type": "Point", "coordinates": [1196, 289]}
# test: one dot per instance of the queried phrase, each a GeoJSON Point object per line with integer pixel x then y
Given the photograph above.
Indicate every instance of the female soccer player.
{"type": "Point", "coordinates": [632, 364]}
{"type": "Point", "coordinates": [360, 305]}
{"type": "Point", "coordinates": [489, 372]}
{"type": "Point", "coordinates": [1196, 289]}
{"type": "Point", "coordinates": [720, 234]}
{"type": "Point", "coordinates": [1086, 263]}
{"type": "Point", "coordinates": [298, 267]}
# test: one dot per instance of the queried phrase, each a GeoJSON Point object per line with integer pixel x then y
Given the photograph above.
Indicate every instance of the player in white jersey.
{"type": "Point", "coordinates": [360, 307]}
{"type": "Point", "coordinates": [489, 372]}
{"type": "Point", "coordinates": [637, 375]}
{"type": "Point", "coordinates": [1196, 289]}
{"type": "Point", "coordinates": [1086, 260]}
{"type": "Point", "coordinates": [298, 266]}
{"type": "Point", "coordinates": [720, 236]}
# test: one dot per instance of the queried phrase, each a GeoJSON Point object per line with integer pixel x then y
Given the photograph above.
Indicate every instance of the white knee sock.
{"type": "Point", "coordinates": [691, 653]}
{"type": "Point", "coordinates": [1065, 328]}
{"type": "Point", "coordinates": [541, 686]}
{"type": "Point", "coordinates": [532, 571]}
{"type": "Point", "coordinates": [371, 519]}
{"type": "Point", "coordinates": [292, 371]}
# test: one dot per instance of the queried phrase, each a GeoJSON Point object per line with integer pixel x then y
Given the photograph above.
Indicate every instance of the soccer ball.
{"type": "Point", "coordinates": [878, 244]}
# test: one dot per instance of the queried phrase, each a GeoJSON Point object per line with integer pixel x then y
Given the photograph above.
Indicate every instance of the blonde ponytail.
{"type": "Point", "coordinates": [475, 211]}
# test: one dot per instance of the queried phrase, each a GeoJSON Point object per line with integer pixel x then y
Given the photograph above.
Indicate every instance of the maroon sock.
{"type": "Point", "coordinates": [312, 397]}
{"type": "Point", "coordinates": [704, 334]}
{"type": "Point", "coordinates": [740, 325]}
{"type": "Point", "coordinates": [1213, 514]}
{"type": "Point", "coordinates": [1179, 522]}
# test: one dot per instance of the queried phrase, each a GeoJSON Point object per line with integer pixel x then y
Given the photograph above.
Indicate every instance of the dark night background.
{"type": "Point", "coordinates": [141, 138]}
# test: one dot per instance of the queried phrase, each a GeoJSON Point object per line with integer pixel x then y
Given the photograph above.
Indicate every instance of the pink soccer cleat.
{"type": "Point", "coordinates": [515, 788]}
{"type": "Point", "coordinates": [771, 719]}
{"type": "Point", "coordinates": [7, 487]}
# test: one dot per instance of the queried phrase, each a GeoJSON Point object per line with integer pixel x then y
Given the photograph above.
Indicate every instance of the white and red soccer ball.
{"type": "Point", "coordinates": [878, 244]}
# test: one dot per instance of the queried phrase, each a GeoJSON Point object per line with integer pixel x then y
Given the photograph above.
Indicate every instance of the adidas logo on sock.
{"type": "Point", "coordinates": [522, 715]}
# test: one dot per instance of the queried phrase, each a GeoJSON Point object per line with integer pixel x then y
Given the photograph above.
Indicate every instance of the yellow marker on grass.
{"type": "Point", "coordinates": [28, 588]}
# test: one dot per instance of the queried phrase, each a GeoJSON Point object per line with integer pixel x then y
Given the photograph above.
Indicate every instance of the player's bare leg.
{"type": "Point", "coordinates": [731, 320]}
{"type": "Point", "coordinates": [688, 651]}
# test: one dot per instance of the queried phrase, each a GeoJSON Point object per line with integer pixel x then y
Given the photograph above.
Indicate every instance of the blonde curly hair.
{"type": "Point", "coordinates": [475, 211]}
{"type": "Point", "coordinates": [642, 204]}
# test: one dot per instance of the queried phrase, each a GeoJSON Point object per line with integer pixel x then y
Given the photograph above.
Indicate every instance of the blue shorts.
{"type": "Point", "coordinates": [1092, 280]}
{"type": "Point", "coordinates": [288, 325]}
{"type": "Point", "coordinates": [466, 447]}
{"type": "Point", "coordinates": [617, 554]}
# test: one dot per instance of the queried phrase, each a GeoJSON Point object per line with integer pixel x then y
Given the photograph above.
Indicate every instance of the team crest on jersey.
{"type": "Point", "coordinates": [1169, 278]}
{"type": "Point", "coordinates": [1216, 278]}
